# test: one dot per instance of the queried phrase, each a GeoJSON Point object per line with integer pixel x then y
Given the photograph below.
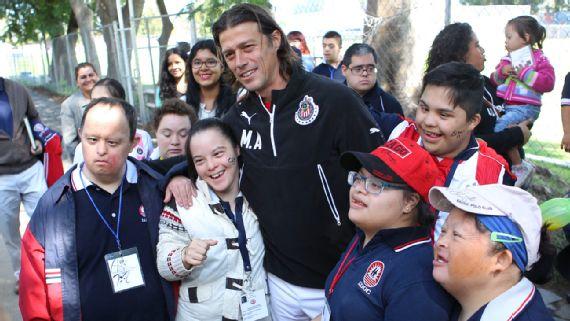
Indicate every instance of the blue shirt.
{"type": "Point", "coordinates": [389, 279]}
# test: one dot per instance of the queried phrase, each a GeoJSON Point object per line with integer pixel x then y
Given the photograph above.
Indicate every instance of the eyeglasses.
{"type": "Point", "coordinates": [210, 63]}
{"type": "Point", "coordinates": [372, 185]}
{"type": "Point", "coordinates": [359, 70]}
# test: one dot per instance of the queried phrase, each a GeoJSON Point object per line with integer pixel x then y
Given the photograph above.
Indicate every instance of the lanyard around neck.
{"type": "Point", "coordinates": [115, 233]}
{"type": "Point", "coordinates": [237, 219]}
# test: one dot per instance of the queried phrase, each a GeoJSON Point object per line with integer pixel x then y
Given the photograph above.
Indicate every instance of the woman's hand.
{"type": "Point", "coordinates": [182, 189]}
{"type": "Point", "coordinates": [195, 253]}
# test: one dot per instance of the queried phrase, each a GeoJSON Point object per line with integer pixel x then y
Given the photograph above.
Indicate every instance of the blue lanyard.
{"type": "Point", "coordinates": [237, 219]}
{"type": "Point", "coordinates": [115, 233]}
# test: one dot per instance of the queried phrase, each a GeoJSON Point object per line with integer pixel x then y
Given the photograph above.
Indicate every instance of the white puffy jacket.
{"type": "Point", "coordinates": [210, 291]}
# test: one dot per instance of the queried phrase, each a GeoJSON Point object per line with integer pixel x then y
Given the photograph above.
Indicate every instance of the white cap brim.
{"type": "Point", "coordinates": [500, 200]}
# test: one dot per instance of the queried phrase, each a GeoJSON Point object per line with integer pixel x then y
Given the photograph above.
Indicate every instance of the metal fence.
{"type": "Point", "coordinates": [403, 30]}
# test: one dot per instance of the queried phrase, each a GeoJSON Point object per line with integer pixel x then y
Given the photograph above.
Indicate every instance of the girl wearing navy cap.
{"type": "Point", "coordinates": [385, 273]}
{"type": "Point", "coordinates": [492, 236]}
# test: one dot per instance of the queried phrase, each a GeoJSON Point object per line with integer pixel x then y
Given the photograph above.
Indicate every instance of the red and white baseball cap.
{"type": "Point", "coordinates": [399, 161]}
{"type": "Point", "coordinates": [498, 200]}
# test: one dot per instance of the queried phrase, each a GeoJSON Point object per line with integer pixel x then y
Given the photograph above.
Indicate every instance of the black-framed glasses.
{"type": "Point", "coordinates": [210, 63]}
{"type": "Point", "coordinates": [372, 185]}
{"type": "Point", "coordinates": [359, 70]}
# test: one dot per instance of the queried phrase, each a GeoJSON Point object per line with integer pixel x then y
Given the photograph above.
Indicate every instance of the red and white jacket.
{"type": "Point", "coordinates": [478, 164]}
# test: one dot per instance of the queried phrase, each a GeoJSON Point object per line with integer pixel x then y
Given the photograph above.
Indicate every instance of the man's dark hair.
{"type": "Point", "coordinates": [463, 83]}
{"type": "Point", "coordinates": [358, 49]}
{"type": "Point", "coordinates": [174, 106]}
{"type": "Point", "coordinates": [450, 44]}
{"type": "Point", "coordinates": [129, 110]}
{"type": "Point", "coordinates": [334, 34]}
{"type": "Point", "coordinates": [113, 86]}
{"type": "Point", "coordinates": [246, 12]}
{"type": "Point", "coordinates": [84, 65]}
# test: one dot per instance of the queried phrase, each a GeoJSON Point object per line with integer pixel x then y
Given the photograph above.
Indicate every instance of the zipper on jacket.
{"type": "Point", "coordinates": [271, 124]}
{"type": "Point", "coordinates": [328, 194]}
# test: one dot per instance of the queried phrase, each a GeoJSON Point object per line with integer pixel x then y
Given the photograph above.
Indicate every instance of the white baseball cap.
{"type": "Point", "coordinates": [499, 200]}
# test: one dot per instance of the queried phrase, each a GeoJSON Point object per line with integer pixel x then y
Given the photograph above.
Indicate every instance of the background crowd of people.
{"type": "Point", "coordinates": [280, 189]}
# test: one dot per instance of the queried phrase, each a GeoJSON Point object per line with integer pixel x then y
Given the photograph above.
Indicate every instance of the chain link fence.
{"type": "Point", "coordinates": [402, 30]}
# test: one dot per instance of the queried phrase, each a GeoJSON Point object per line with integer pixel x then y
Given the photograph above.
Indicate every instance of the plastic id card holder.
{"type": "Point", "coordinates": [253, 305]}
{"type": "Point", "coordinates": [124, 269]}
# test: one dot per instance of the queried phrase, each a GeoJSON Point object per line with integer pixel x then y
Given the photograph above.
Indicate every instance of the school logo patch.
{"type": "Point", "coordinates": [307, 111]}
{"type": "Point", "coordinates": [373, 274]}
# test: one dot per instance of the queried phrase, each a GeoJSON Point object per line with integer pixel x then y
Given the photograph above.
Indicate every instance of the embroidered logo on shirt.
{"type": "Point", "coordinates": [373, 274]}
{"type": "Point", "coordinates": [245, 115]}
{"type": "Point", "coordinates": [307, 112]}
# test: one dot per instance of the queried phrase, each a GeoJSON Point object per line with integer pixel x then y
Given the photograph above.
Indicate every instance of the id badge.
{"type": "Point", "coordinates": [253, 305]}
{"type": "Point", "coordinates": [326, 314]}
{"type": "Point", "coordinates": [124, 269]}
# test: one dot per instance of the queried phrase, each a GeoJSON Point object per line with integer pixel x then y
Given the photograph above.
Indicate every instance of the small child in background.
{"type": "Point", "coordinates": [522, 86]}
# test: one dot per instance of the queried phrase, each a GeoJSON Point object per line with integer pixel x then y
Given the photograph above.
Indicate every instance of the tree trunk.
{"type": "Point", "coordinates": [107, 12]}
{"type": "Point", "coordinates": [84, 16]}
{"type": "Point", "coordinates": [167, 28]}
{"type": "Point", "coordinates": [138, 6]}
{"type": "Point", "coordinates": [393, 41]}
{"type": "Point", "coordinates": [63, 54]}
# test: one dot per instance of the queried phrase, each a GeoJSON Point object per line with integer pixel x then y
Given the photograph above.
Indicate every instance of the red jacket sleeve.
{"type": "Point", "coordinates": [35, 294]}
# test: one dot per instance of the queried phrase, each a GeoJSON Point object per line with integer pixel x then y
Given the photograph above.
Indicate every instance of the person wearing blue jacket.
{"type": "Point", "coordinates": [385, 273]}
{"type": "Point", "coordinates": [359, 67]}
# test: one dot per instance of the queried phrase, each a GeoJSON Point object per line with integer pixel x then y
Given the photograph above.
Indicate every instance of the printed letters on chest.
{"type": "Point", "coordinates": [250, 139]}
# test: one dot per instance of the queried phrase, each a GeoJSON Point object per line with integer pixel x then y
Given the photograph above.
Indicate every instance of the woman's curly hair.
{"type": "Point", "coordinates": [450, 44]}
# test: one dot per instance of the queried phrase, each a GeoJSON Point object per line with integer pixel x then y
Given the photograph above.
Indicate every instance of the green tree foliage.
{"type": "Point", "coordinates": [207, 11]}
{"type": "Point", "coordinates": [26, 20]}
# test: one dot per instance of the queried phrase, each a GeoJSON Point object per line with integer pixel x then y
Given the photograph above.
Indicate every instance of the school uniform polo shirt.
{"type": "Point", "coordinates": [522, 302]}
{"type": "Point", "coordinates": [388, 279]}
{"type": "Point", "coordinates": [94, 240]}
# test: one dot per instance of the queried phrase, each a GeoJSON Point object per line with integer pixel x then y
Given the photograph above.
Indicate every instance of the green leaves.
{"type": "Point", "coordinates": [27, 19]}
{"type": "Point", "coordinates": [208, 11]}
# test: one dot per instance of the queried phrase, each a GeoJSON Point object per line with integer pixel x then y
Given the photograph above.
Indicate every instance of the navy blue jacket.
{"type": "Point", "coordinates": [389, 279]}
{"type": "Point", "coordinates": [379, 101]}
{"type": "Point", "coordinates": [330, 72]}
{"type": "Point", "coordinates": [52, 228]}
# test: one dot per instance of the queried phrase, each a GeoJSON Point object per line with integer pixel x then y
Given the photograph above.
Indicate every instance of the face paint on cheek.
{"type": "Point", "coordinates": [457, 134]}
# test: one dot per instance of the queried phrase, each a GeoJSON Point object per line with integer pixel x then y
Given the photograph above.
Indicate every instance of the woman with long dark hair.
{"type": "Point", "coordinates": [173, 82]}
{"type": "Point", "coordinates": [207, 92]}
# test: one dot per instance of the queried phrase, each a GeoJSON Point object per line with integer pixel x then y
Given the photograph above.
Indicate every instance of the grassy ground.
{"type": "Point", "coordinates": [551, 181]}
{"type": "Point", "coordinates": [546, 149]}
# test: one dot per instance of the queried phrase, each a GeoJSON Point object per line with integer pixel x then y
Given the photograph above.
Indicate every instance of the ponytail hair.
{"type": "Point", "coordinates": [541, 271]}
{"type": "Point", "coordinates": [528, 25]}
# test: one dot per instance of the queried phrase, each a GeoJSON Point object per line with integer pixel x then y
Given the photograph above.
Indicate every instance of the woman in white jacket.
{"type": "Point", "coordinates": [214, 247]}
